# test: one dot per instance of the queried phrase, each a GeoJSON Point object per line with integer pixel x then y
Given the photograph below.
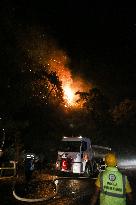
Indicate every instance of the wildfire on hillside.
{"type": "Point", "coordinates": [70, 85]}
{"type": "Point", "coordinates": [45, 51]}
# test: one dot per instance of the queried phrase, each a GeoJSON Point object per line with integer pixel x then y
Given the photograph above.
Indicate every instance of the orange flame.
{"type": "Point", "coordinates": [57, 63]}
{"type": "Point", "coordinates": [46, 52]}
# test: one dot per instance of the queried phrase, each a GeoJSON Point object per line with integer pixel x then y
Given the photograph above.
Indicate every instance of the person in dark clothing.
{"type": "Point", "coordinates": [29, 168]}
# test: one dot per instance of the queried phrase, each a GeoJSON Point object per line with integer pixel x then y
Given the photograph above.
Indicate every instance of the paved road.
{"type": "Point", "coordinates": [75, 192]}
{"type": "Point", "coordinates": [6, 196]}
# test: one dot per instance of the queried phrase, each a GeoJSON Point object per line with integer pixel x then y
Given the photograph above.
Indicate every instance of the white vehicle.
{"type": "Point", "coordinates": [75, 155]}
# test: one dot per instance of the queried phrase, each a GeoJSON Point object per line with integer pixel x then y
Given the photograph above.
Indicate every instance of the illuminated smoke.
{"type": "Point", "coordinates": [70, 85]}
{"type": "Point", "coordinates": [46, 52]}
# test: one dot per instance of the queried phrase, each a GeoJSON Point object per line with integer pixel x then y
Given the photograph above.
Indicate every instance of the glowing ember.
{"type": "Point", "coordinates": [47, 54]}
{"type": "Point", "coordinates": [70, 86]}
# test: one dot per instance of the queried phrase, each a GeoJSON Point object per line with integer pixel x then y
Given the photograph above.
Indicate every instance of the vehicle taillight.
{"type": "Point", "coordinates": [57, 164]}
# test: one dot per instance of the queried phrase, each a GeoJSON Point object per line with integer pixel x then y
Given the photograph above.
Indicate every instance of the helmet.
{"type": "Point", "coordinates": [111, 160]}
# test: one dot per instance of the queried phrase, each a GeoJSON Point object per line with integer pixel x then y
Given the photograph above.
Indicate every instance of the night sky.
{"type": "Point", "coordinates": [99, 39]}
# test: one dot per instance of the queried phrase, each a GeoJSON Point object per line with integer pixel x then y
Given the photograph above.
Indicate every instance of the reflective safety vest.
{"type": "Point", "coordinates": [112, 187]}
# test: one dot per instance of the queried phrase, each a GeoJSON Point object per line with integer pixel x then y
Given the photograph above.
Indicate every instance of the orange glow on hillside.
{"type": "Point", "coordinates": [46, 52]}
{"type": "Point", "coordinates": [70, 86]}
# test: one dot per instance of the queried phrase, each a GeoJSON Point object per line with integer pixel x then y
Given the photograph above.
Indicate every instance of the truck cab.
{"type": "Point", "coordinates": [75, 155]}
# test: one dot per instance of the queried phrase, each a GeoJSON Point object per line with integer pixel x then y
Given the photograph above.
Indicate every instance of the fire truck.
{"type": "Point", "coordinates": [75, 156]}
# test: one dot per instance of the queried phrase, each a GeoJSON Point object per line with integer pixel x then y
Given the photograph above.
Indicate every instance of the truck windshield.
{"type": "Point", "coordinates": [70, 146]}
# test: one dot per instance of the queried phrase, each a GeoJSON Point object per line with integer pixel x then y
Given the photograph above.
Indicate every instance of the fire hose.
{"type": "Point", "coordinates": [33, 200]}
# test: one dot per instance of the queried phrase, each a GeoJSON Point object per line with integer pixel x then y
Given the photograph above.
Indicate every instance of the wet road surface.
{"type": "Point", "coordinates": [69, 191]}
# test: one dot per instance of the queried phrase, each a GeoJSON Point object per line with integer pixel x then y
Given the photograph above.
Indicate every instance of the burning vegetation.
{"type": "Point", "coordinates": [52, 79]}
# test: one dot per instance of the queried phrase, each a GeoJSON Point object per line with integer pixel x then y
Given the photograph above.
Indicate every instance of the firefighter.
{"type": "Point", "coordinates": [112, 185]}
{"type": "Point", "coordinates": [29, 168]}
{"type": "Point", "coordinates": [88, 164]}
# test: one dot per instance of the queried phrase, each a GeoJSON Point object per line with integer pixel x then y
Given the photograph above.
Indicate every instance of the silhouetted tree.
{"type": "Point", "coordinates": [97, 118]}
